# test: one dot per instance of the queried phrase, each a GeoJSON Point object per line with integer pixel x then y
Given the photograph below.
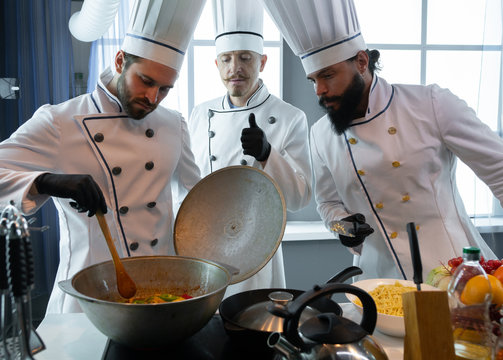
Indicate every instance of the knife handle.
{"type": "Point", "coordinates": [415, 254]}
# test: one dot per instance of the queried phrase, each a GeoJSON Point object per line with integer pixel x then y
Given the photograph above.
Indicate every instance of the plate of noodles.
{"type": "Point", "coordinates": [387, 294]}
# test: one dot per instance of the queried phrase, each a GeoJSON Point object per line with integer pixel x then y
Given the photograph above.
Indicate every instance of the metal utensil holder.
{"type": "Point", "coordinates": [19, 340]}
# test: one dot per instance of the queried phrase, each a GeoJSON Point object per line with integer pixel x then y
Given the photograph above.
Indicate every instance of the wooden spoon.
{"type": "Point", "coordinates": [125, 285]}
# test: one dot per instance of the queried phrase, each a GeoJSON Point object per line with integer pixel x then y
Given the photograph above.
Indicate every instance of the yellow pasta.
{"type": "Point", "coordinates": [388, 298]}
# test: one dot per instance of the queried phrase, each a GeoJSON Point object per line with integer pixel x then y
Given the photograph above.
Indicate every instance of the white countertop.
{"type": "Point", "coordinates": [73, 337]}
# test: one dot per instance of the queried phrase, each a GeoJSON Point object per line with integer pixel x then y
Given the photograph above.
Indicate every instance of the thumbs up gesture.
{"type": "Point", "coordinates": [254, 141]}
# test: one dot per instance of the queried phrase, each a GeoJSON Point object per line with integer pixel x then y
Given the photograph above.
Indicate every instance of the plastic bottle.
{"type": "Point", "coordinates": [471, 325]}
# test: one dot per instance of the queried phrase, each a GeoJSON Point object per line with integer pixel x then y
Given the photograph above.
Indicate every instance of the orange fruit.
{"type": "Point", "coordinates": [475, 290]}
{"type": "Point", "coordinates": [478, 287]}
{"type": "Point", "coordinates": [496, 289]}
{"type": "Point", "coordinates": [499, 273]}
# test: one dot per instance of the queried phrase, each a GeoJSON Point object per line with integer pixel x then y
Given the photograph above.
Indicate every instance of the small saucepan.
{"type": "Point", "coordinates": [248, 322]}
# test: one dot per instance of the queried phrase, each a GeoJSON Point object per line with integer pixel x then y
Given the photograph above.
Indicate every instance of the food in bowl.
{"type": "Point", "coordinates": [388, 298]}
{"type": "Point", "coordinates": [158, 298]}
{"type": "Point", "coordinates": [392, 325]}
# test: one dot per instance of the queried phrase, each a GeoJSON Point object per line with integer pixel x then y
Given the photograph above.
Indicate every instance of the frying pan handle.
{"type": "Point", "coordinates": [294, 310]}
{"type": "Point", "coordinates": [345, 274]}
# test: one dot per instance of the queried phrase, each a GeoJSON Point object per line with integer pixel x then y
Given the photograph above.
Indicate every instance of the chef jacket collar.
{"type": "Point", "coordinates": [257, 98]}
{"type": "Point", "coordinates": [380, 97]}
{"type": "Point", "coordinates": [103, 99]}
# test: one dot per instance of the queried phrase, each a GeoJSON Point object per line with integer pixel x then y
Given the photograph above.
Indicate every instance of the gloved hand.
{"type": "Point", "coordinates": [81, 188]}
{"type": "Point", "coordinates": [362, 230]}
{"type": "Point", "coordinates": [254, 141]}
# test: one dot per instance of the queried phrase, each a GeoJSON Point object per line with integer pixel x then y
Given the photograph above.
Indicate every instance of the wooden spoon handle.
{"type": "Point", "coordinates": [125, 284]}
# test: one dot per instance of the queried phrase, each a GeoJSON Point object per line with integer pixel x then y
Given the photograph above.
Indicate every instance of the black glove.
{"type": "Point", "coordinates": [81, 188]}
{"type": "Point", "coordinates": [362, 230]}
{"type": "Point", "coordinates": [254, 141]}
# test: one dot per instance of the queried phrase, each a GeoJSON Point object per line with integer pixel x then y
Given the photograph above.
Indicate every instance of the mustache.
{"type": "Point", "coordinates": [238, 77]}
{"type": "Point", "coordinates": [323, 100]}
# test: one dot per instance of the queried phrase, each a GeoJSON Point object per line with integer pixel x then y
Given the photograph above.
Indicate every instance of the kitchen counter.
{"type": "Point", "coordinates": [73, 337]}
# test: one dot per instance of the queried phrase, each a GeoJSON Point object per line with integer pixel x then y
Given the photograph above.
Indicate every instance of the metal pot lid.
{"type": "Point", "coordinates": [258, 317]}
{"type": "Point", "coordinates": [235, 216]}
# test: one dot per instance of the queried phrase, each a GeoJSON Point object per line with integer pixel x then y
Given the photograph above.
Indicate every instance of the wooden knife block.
{"type": "Point", "coordinates": [428, 329]}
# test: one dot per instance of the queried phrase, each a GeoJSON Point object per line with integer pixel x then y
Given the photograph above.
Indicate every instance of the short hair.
{"type": "Point", "coordinates": [130, 59]}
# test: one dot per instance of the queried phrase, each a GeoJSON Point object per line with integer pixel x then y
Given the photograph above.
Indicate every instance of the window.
{"type": "Point", "coordinates": [199, 79]}
{"type": "Point", "coordinates": [454, 43]}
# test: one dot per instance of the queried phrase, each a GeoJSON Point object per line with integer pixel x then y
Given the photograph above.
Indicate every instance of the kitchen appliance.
{"type": "Point", "coordinates": [327, 335]}
{"type": "Point", "coordinates": [150, 325]}
{"type": "Point", "coordinates": [233, 218]}
{"type": "Point", "coordinates": [248, 322]}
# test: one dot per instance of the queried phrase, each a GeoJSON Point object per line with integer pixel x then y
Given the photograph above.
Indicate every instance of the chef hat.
{"type": "Point", "coordinates": [320, 32]}
{"type": "Point", "coordinates": [238, 25]}
{"type": "Point", "coordinates": [160, 30]}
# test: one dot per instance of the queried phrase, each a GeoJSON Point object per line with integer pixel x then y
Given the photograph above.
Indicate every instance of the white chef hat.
{"type": "Point", "coordinates": [320, 32]}
{"type": "Point", "coordinates": [160, 30]}
{"type": "Point", "coordinates": [238, 25]}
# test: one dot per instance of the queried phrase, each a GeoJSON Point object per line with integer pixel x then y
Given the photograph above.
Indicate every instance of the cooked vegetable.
{"type": "Point", "coordinates": [157, 299]}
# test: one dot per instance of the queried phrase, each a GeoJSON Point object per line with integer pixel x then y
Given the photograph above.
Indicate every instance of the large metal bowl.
{"type": "Point", "coordinates": [150, 325]}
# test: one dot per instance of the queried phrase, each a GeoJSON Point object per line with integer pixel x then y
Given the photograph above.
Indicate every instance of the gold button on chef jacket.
{"type": "Point", "coordinates": [435, 127]}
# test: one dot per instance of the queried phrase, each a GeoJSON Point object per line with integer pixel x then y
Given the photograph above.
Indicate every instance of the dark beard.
{"type": "Point", "coordinates": [125, 99]}
{"type": "Point", "coordinates": [341, 118]}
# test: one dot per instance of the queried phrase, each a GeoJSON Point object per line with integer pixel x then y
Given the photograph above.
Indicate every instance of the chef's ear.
{"type": "Point", "coordinates": [120, 61]}
{"type": "Point", "coordinates": [263, 60]}
{"type": "Point", "coordinates": [362, 61]}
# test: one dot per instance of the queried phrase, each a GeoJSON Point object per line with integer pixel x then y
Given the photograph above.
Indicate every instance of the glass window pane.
{"type": "Point", "coordinates": [271, 32]}
{"type": "Point", "coordinates": [465, 22]}
{"type": "Point", "coordinates": [177, 98]}
{"type": "Point", "coordinates": [390, 21]}
{"type": "Point", "coordinates": [205, 29]}
{"type": "Point", "coordinates": [271, 74]}
{"type": "Point", "coordinates": [400, 66]}
{"type": "Point", "coordinates": [477, 197]}
{"type": "Point", "coordinates": [207, 83]}
{"type": "Point", "coordinates": [475, 79]}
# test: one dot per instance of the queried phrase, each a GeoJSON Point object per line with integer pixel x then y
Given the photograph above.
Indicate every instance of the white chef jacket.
{"type": "Point", "coordinates": [215, 131]}
{"type": "Point", "coordinates": [397, 165]}
{"type": "Point", "coordinates": [133, 162]}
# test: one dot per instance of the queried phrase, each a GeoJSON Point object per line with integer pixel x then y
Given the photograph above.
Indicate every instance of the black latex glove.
{"type": "Point", "coordinates": [81, 188]}
{"type": "Point", "coordinates": [254, 141]}
{"type": "Point", "coordinates": [362, 230]}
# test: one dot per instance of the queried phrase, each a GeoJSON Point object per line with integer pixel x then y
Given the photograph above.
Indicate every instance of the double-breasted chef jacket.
{"type": "Point", "coordinates": [215, 130]}
{"type": "Point", "coordinates": [133, 162]}
{"type": "Point", "coordinates": [397, 165]}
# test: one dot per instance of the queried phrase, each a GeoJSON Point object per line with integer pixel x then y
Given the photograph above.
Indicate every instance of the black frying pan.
{"type": "Point", "coordinates": [256, 340]}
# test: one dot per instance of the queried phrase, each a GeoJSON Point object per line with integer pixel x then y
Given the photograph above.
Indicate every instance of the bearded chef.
{"type": "Point", "coordinates": [385, 154]}
{"type": "Point", "coordinates": [248, 125]}
{"type": "Point", "coordinates": [113, 150]}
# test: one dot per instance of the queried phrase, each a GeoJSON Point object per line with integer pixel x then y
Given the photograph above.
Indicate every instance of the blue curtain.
{"type": "Point", "coordinates": [37, 50]}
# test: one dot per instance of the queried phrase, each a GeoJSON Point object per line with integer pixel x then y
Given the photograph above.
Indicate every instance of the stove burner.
{"type": "Point", "coordinates": [210, 343]}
